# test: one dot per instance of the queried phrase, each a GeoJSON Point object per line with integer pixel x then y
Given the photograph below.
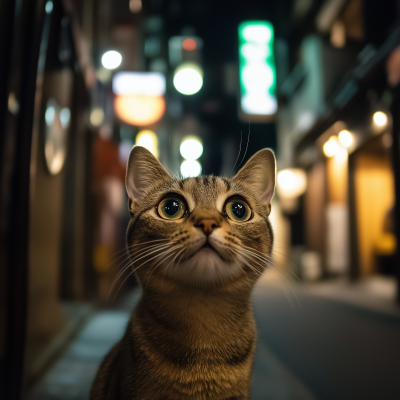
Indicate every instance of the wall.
{"type": "Point", "coordinates": [374, 197]}
{"type": "Point", "coordinates": [45, 317]}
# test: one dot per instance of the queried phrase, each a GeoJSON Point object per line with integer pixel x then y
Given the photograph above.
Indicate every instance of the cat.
{"type": "Point", "coordinates": [198, 246]}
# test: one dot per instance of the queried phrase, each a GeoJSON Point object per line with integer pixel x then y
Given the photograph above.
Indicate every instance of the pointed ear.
{"type": "Point", "coordinates": [260, 173]}
{"type": "Point", "coordinates": [142, 172]}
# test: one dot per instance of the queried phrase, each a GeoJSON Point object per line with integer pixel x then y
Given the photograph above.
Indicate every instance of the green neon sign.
{"type": "Point", "coordinates": [257, 68]}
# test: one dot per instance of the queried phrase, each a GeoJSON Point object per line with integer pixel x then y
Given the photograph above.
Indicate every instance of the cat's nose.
{"type": "Point", "coordinates": [207, 225]}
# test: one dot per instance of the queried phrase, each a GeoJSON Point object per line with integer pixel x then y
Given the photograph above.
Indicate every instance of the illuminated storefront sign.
{"type": "Point", "coordinates": [257, 71]}
{"type": "Point", "coordinates": [139, 97]}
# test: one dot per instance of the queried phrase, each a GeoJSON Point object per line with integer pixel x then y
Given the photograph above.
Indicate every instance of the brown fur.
{"type": "Point", "coordinates": [192, 336]}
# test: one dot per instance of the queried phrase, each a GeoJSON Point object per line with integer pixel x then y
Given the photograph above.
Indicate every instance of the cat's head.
{"type": "Point", "coordinates": [204, 231]}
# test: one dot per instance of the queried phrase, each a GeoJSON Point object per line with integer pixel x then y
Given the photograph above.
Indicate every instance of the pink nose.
{"type": "Point", "coordinates": [207, 225]}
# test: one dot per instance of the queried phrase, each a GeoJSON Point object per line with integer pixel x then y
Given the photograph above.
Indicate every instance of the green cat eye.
{"type": "Point", "coordinates": [238, 210]}
{"type": "Point", "coordinates": [171, 208]}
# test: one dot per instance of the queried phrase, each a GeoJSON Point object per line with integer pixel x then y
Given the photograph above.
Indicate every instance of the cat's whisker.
{"type": "Point", "coordinates": [122, 284]}
{"type": "Point", "coordinates": [150, 241]}
{"type": "Point", "coordinates": [247, 145]}
{"type": "Point", "coordinates": [165, 257]}
{"type": "Point", "coordinates": [281, 284]}
{"type": "Point", "coordinates": [144, 253]}
{"type": "Point", "coordinates": [152, 249]}
{"type": "Point", "coordinates": [284, 255]}
{"type": "Point", "coordinates": [112, 258]}
{"type": "Point", "coordinates": [116, 254]}
{"type": "Point", "coordinates": [176, 255]}
{"type": "Point", "coordinates": [134, 270]}
{"type": "Point", "coordinates": [274, 263]}
{"type": "Point", "coordinates": [292, 290]}
{"type": "Point", "coordinates": [248, 282]}
{"type": "Point", "coordinates": [157, 255]}
{"type": "Point", "coordinates": [240, 149]}
{"type": "Point", "coordinates": [267, 262]}
{"type": "Point", "coordinates": [125, 257]}
{"type": "Point", "coordinates": [295, 275]}
{"type": "Point", "coordinates": [247, 262]}
{"type": "Point", "coordinates": [175, 248]}
{"type": "Point", "coordinates": [141, 255]}
{"type": "Point", "coordinates": [279, 271]}
{"type": "Point", "coordinates": [180, 258]}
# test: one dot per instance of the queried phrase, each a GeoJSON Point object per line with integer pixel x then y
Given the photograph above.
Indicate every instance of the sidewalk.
{"type": "Point", "coordinates": [71, 376]}
{"type": "Point", "coordinates": [376, 294]}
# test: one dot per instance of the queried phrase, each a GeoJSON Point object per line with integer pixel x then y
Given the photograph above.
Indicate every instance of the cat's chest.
{"type": "Point", "coordinates": [202, 374]}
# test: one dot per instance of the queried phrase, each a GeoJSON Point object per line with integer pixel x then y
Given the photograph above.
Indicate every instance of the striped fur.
{"type": "Point", "coordinates": [192, 336]}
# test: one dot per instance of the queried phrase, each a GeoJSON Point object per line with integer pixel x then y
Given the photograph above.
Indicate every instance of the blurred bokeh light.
{"type": "Point", "coordinates": [190, 168]}
{"type": "Point", "coordinates": [191, 148]}
{"type": "Point", "coordinates": [149, 140]}
{"type": "Point", "coordinates": [111, 59]}
{"type": "Point", "coordinates": [188, 79]}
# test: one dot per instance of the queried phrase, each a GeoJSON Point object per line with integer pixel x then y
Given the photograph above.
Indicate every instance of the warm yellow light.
{"type": "Point", "coordinates": [345, 138]}
{"type": "Point", "coordinates": [380, 119]}
{"type": "Point", "coordinates": [149, 140]}
{"type": "Point", "coordinates": [97, 116]}
{"type": "Point", "coordinates": [341, 155]}
{"type": "Point", "coordinates": [103, 75]}
{"type": "Point", "coordinates": [139, 110]}
{"type": "Point", "coordinates": [135, 6]}
{"type": "Point", "coordinates": [292, 182]}
{"type": "Point", "coordinates": [331, 147]}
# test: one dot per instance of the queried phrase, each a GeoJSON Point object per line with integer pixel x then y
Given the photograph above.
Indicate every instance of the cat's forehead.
{"type": "Point", "coordinates": [205, 189]}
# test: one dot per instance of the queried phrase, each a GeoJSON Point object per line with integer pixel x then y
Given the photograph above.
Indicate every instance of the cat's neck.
{"type": "Point", "coordinates": [196, 307]}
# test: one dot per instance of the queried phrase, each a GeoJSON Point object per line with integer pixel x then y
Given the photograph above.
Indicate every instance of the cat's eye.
{"type": "Point", "coordinates": [171, 208]}
{"type": "Point", "coordinates": [238, 210]}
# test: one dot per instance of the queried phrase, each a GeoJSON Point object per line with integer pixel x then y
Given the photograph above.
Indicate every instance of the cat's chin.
{"type": "Point", "coordinates": [206, 254]}
{"type": "Point", "coordinates": [204, 266]}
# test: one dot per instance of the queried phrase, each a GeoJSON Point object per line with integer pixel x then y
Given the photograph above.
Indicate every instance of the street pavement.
{"type": "Point", "coordinates": [309, 348]}
{"type": "Point", "coordinates": [338, 350]}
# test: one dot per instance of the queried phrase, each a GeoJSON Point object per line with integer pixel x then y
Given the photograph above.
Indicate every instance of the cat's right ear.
{"type": "Point", "coordinates": [260, 173]}
{"type": "Point", "coordinates": [142, 172]}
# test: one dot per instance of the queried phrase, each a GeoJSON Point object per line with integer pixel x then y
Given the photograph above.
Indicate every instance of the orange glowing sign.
{"type": "Point", "coordinates": [189, 44]}
{"type": "Point", "coordinates": [139, 97]}
{"type": "Point", "coordinates": [139, 109]}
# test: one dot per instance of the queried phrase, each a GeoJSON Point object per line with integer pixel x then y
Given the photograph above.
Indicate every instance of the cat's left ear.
{"type": "Point", "coordinates": [260, 173]}
{"type": "Point", "coordinates": [142, 172]}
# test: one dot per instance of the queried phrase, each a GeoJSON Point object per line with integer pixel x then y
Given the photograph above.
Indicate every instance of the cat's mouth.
{"type": "Point", "coordinates": [206, 248]}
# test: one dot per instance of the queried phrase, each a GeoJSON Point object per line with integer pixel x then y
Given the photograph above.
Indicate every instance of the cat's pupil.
{"type": "Point", "coordinates": [171, 207]}
{"type": "Point", "coordinates": [238, 209]}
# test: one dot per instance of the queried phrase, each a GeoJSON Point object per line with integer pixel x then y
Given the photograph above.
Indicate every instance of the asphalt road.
{"type": "Point", "coordinates": [337, 350]}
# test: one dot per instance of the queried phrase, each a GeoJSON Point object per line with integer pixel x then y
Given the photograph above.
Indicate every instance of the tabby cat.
{"type": "Point", "coordinates": [197, 245]}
